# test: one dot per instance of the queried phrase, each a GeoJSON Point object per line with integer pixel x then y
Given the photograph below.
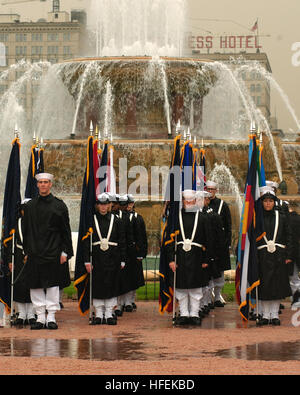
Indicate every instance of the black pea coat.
{"type": "Point", "coordinates": [47, 234]}
{"type": "Point", "coordinates": [227, 226]}
{"type": "Point", "coordinates": [21, 291]}
{"type": "Point", "coordinates": [189, 273]}
{"type": "Point", "coordinates": [273, 271]}
{"type": "Point", "coordinates": [106, 274]}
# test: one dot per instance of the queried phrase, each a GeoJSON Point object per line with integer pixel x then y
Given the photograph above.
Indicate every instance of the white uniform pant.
{"type": "Point", "coordinates": [104, 307]}
{"type": "Point", "coordinates": [189, 301]}
{"type": "Point", "coordinates": [25, 311]}
{"type": "Point", "coordinates": [126, 299]}
{"type": "Point", "coordinates": [295, 280]}
{"type": "Point", "coordinates": [269, 308]}
{"type": "Point", "coordinates": [218, 285]}
{"type": "Point", "coordinates": [45, 300]}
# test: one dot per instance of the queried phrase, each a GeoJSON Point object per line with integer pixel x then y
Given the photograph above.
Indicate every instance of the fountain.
{"type": "Point", "coordinates": [137, 86]}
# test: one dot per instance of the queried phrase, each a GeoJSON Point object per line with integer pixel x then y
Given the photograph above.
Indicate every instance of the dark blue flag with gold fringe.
{"type": "Point", "coordinates": [88, 200]}
{"type": "Point", "coordinates": [36, 165]}
{"type": "Point", "coordinates": [170, 229]}
{"type": "Point", "coordinates": [11, 205]}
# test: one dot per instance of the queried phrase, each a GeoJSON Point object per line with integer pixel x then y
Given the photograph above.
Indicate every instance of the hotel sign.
{"type": "Point", "coordinates": [223, 42]}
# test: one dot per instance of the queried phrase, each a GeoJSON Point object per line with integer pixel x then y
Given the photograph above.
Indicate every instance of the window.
{"type": "Point", "coordinates": [258, 100]}
{"type": "Point", "coordinates": [21, 37]}
{"type": "Point", "coordinates": [52, 36]}
{"type": "Point", "coordinates": [252, 88]}
{"type": "Point", "coordinates": [36, 50]}
{"type": "Point", "coordinates": [3, 37]}
{"type": "Point", "coordinates": [258, 88]}
{"type": "Point", "coordinates": [2, 55]}
{"type": "Point", "coordinates": [37, 37]}
{"type": "Point", "coordinates": [21, 51]}
{"type": "Point", "coordinates": [52, 50]}
{"type": "Point", "coordinates": [67, 36]}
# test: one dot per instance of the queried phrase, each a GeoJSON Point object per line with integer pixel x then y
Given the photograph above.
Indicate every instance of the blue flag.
{"type": "Point", "coordinates": [11, 205]}
{"type": "Point", "coordinates": [82, 278]}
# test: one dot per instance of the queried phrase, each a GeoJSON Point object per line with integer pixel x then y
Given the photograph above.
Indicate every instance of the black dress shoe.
{"type": "Point", "coordinates": [218, 303]}
{"type": "Point", "coordinates": [31, 321]}
{"type": "Point", "coordinates": [195, 321]}
{"type": "Point", "coordinates": [19, 322]}
{"type": "Point", "coordinates": [129, 308]}
{"type": "Point", "coordinates": [275, 321]}
{"type": "Point", "coordinates": [134, 306]}
{"type": "Point", "coordinates": [97, 321]}
{"type": "Point", "coordinates": [262, 321]}
{"type": "Point", "coordinates": [183, 320]}
{"type": "Point", "coordinates": [111, 321]}
{"type": "Point", "coordinates": [52, 325]}
{"type": "Point", "coordinates": [37, 325]}
{"type": "Point", "coordinates": [119, 313]}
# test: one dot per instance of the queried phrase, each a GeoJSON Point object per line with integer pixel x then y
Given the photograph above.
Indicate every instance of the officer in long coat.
{"type": "Point", "coordinates": [220, 207]}
{"type": "Point", "coordinates": [191, 265]}
{"type": "Point", "coordinates": [140, 248]}
{"type": "Point", "coordinates": [274, 253]}
{"type": "Point", "coordinates": [108, 260]}
{"type": "Point", "coordinates": [47, 245]}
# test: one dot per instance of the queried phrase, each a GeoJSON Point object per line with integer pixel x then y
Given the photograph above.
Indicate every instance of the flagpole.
{"type": "Point", "coordinates": [91, 321]}
{"type": "Point", "coordinates": [12, 280]}
{"type": "Point", "coordinates": [174, 284]}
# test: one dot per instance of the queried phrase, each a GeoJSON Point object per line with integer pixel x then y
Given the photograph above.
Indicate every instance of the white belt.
{"type": "Point", "coordinates": [104, 244]}
{"type": "Point", "coordinates": [187, 244]}
{"type": "Point", "coordinates": [271, 246]}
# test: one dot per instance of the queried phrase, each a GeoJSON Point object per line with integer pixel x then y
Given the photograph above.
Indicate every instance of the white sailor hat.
{"type": "Point", "coordinates": [272, 184]}
{"type": "Point", "coordinates": [130, 198]}
{"type": "Point", "coordinates": [203, 194]}
{"type": "Point", "coordinates": [112, 196]}
{"type": "Point", "coordinates": [265, 189]}
{"type": "Point", "coordinates": [189, 194]}
{"type": "Point", "coordinates": [24, 201]}
{"type": "Point", "coordinates": [267, 193]}
{"type": "Point", "coordinates": [211, 184]}
{"type": "Point", "coordinates": [44, 176]}
{"type": "Point", "coordinates": [123, 200]}
{"type": "Point", "coordinates": [103, 198]}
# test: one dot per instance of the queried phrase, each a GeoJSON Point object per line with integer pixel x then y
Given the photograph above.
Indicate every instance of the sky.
{"type": "Point", "coordinates": [279, 31]}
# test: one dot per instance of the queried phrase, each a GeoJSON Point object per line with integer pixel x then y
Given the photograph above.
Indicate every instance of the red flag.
{"type": "Point", "coordinates": [255, 26]}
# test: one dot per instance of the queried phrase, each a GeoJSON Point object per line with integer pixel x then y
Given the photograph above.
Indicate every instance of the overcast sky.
{"type": "Point", "coordinates": [278, 19]}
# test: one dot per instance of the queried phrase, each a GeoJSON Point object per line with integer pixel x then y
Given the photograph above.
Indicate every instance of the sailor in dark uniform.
{"type": "Point", "coordinates": [141, 248]}
{"type": "Point", "coordinates": [47, 245]}
{"type": "Point", "coordinates": [282, 204]}
{"type": "Point", "coordinates": [21, 293]}
{"type": "Point", "coordinates": [294, 219]}
{"type": "Point", "coordinates": [127, 282]}
{"type": "Point", "coordinates": [215, 247]}
{"type": "Point", "coordinates": [191, 265]}
{"type": "Point", "coordinates": [220, 207]}
{"type": "Point", "coordinates": [108, 260]}
{"type": "Point", "coordinates": [274, 254]}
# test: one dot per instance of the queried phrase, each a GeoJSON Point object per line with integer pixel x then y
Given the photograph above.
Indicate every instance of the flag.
{"type": "Point", "coordinates": [11, 205]}
{"type": "Point", "coordinates": [255, 26]}
{"type": "Point", "coordinates": [102, 171]}
{"type": "Point", "coordinates": [36, 165]}
{"type": "Point", "coordinates": [201, 171]}
{"type": "Point", "coordinates": [111, 177]}
{"type": "Point", "coordinates": [170, 229]}
{"type": "Point", "coordinates": [96, 164]}
{"type": "Point", "coordinates": [82, 278]}
{"type": "Point", "coordinates": [251, 229]}
{"type": "Point", "coordinates": [187, 167]}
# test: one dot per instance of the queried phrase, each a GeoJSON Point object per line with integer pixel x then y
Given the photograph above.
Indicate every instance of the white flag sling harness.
{"type": "Point", "coordinates": [104, 243]}
{"type": "Point", "coordinates": [270, 244]}
{"type": "Point", "coordinates": [188, 243]}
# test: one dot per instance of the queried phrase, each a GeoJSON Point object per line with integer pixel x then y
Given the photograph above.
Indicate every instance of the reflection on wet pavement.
{"type": "Point", "coordinates": [267, 351]}
{"type": "Point", "coordinates": [107, 349]}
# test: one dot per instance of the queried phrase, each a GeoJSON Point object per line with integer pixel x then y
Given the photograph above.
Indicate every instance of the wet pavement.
{"type": "Point", "coordinates": [122, 345]}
